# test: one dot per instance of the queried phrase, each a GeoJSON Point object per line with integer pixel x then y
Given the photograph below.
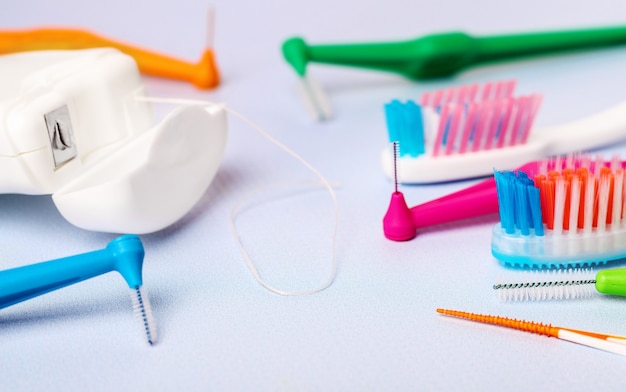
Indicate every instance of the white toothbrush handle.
{"type": "Point", "coordinates": [601, 129]}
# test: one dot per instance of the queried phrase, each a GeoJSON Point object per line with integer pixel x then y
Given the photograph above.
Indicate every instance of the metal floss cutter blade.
{"type": "Point", "coordinates": [71, 126]}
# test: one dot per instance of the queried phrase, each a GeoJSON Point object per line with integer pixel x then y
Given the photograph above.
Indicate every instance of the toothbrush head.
{"type": "Point", "coordinates": [462, 132]}
{"type": "Point", "coordinates": [564, 217]}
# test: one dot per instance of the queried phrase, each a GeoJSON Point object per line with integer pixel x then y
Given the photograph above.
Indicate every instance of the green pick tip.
{"type": "Point", "coordinates": [612, 281]}
{"type": "Point", "coordinates": [295, 52]}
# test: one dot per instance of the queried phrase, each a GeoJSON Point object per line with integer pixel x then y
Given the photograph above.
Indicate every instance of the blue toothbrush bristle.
{"type": "Point", "coordinates": [537, 229]}
{"type": "Point", "coordinates": [519, 203]}
{"type": "Point", "coordinates": [405, 125]}
{"type": "Point", "coordinates": [461, 120]}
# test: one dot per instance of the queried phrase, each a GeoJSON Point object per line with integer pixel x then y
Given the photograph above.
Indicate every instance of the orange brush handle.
{"type": "Point", "coordinates": [528, 326]}
{"type": "Point", "coordinates": [203, 75]}
{"type": "Point", "coordinates": [596, 335]}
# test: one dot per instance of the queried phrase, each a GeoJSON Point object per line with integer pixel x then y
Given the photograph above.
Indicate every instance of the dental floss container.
{"type": "Point", "coordinates": [72, 126]}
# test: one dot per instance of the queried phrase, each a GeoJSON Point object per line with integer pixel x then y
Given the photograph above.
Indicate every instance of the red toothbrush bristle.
{"type": "Point", "coordinates": [568, 197]}
{"type": "Point", "coordinates": [606, 195]}
{"type": "Point", "coordinates": [582, 173]}
{"type": "Point", "coordinates": [549, 195]}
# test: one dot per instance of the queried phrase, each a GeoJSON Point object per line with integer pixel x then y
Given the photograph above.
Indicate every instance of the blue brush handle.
{"type": "Point", "coordinates": [124, 255]}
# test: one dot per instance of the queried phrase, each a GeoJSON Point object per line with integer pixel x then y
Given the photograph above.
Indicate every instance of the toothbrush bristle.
{"type": "Point", "coordinates": [143, 311]}
{"type": "Point", "coordinates": [575, 192]}
{"type": "Point", "coordinates": [406, 126]}
{"type": "Point", "coordinates": [463, 119]}
{"type": "Point", "coordinates": [542, 285]}
{"type": "Point", "coordinates": [581, 207]}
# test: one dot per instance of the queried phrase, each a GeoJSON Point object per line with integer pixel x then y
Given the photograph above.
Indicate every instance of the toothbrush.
{"type": "Point", "coordinates": [475, 134]}
{"type": "Point", "coordinates": [570, 283]}
{"type": "Point", "coordinates": [440, 55]}
{"type": "Point", "coordinates": [568, 218]}
{"type": "Point", "coordinates": [203, 74]}
{"type": "Point", "coordinates": [401, 222]}
{"type": "Point", "coordinates": [123, 254]}
{"type": "Point", "coordinates": [611, 343]}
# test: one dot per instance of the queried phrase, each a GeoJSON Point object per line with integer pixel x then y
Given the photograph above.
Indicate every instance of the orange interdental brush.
{"type": "Point", "coordinates": [203, 74]}
{"type": "Point", "coordinates": [610, 343]}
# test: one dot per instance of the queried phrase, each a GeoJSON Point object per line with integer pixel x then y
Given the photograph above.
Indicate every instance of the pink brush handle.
{"type": "Point", "coordinates": [401, 222]}
{"type": "Point", "coordinates": [477, 200]}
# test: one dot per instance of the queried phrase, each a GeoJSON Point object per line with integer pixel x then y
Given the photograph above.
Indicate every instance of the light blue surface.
{"type": "Point", "coordinates": [376, 327]}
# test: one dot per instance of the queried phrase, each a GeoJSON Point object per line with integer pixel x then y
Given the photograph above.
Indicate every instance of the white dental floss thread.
{"type": "Point", "coordinates": [236, 209]}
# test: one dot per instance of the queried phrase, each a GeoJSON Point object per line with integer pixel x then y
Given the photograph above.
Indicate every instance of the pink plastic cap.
{"type": "Point", "coordinates": [398, 222]}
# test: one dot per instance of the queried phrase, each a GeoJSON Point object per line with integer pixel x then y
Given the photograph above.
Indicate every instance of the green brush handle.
{"type": "Point", "coordinates": [440, 55]}
{"type": "Point", "coordinates": [611, 281]}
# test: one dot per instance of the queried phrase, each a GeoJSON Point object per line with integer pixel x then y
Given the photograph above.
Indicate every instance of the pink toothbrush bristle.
{"type": "Point", "coordinates": [455, 122]}
{"type": "Point", "coordinates": [570, 213]}
{"type": "Point", "coordinates": [486, 92]}
{"type": "Point", "coordinates": [507, 109]}
{"type": "Point", "coordinates": [473, 90]}
{"type": "Point", "coordinates": [476, 118]}
{"type": "Point", "coordinates": [441, 132]}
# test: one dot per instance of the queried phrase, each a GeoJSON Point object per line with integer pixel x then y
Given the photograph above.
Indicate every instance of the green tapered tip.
{"type": "Point", "coordinates": [295, 52]}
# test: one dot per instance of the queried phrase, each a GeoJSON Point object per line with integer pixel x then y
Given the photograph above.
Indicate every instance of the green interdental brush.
{"type": "Point", "coordinates": [438, 55]}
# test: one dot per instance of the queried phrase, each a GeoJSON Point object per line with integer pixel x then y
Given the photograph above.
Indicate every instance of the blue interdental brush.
{"type": "Point", "coordinates": [123, 254]}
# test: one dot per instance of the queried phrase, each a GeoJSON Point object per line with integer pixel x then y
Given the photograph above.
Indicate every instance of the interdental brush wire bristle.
{"type": "Point", "coordinates": [611, 343]}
